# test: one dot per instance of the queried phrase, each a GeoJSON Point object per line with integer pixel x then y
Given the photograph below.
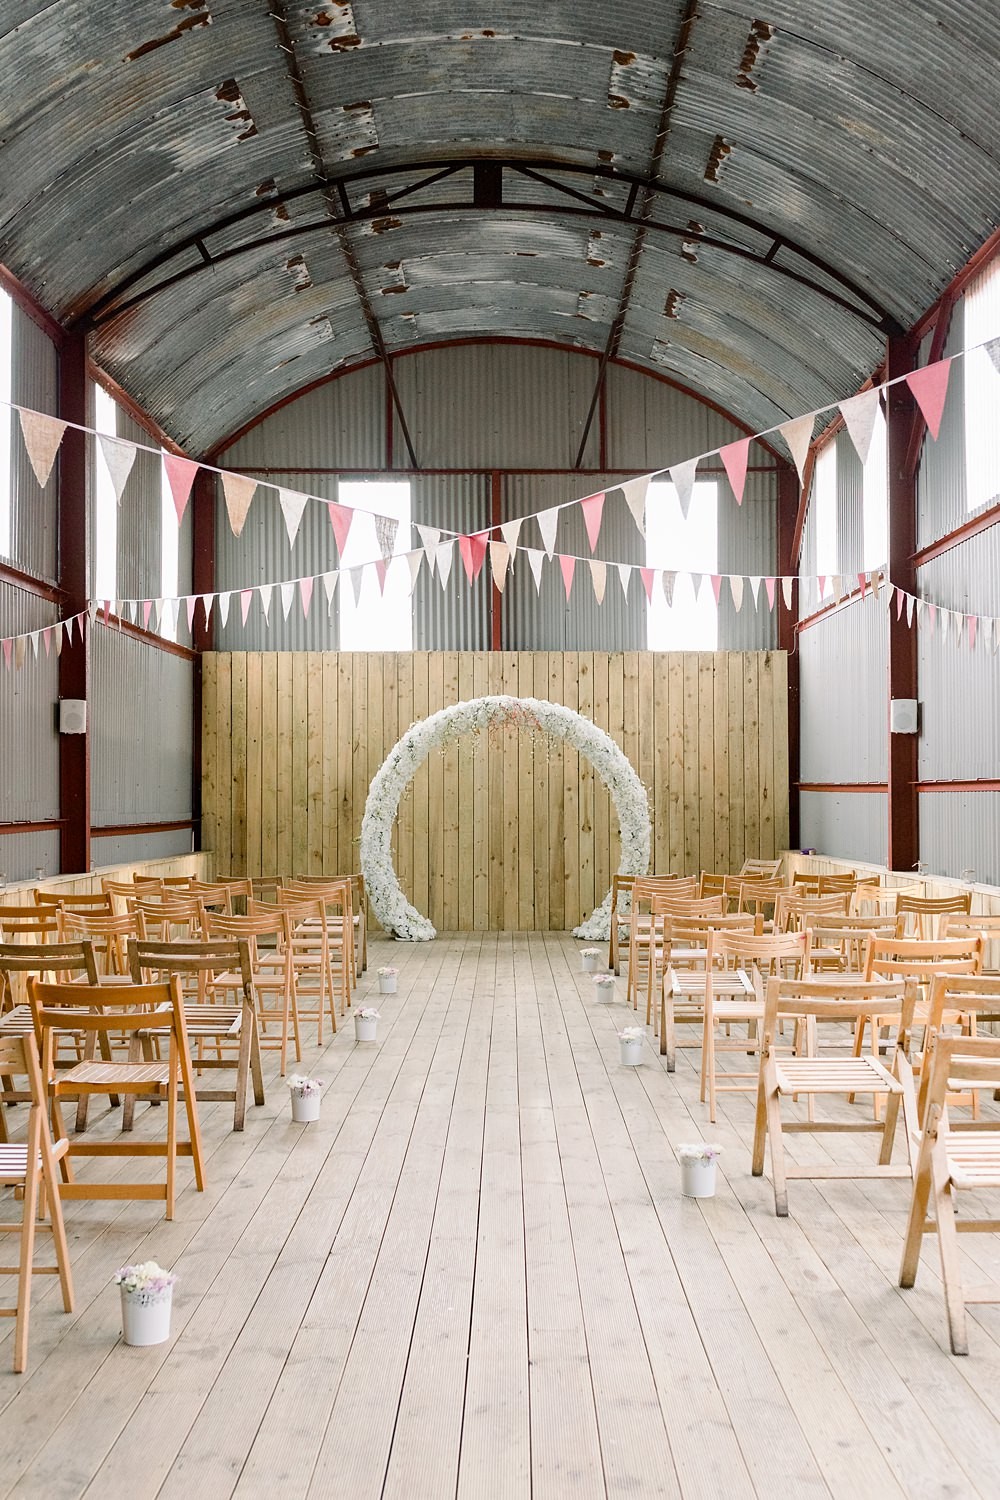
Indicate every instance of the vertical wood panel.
{"type": "Point", "coordinates": [507, 830]}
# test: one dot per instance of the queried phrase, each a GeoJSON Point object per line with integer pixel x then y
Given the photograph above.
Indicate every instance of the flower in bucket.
{"type": "Point", "coordinates": [387, 971]}
{"type": "Point", "coordinates": [631, 1033]}
{"type": "Point", "coordinates": [299, 1084]}
{"type": "Point", "coordinates": [147, 1277]}
{"type": "Point", "coordinates": [604, 985]}
{"type": "Point", "coordinates": [590, 952]}
{"type": "Point", "coordinates": [367, 1013]}
{"type": "Point", "coordinates": [699, 1151]}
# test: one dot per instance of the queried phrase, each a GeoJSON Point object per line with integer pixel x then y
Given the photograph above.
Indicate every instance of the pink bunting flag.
{"type": "Point", "coordinates": [472, 550]}
{"type": "Point", "coordinates": [932, 617]}
{"type": "Point", "coordinates": [47, 639]}
{"type": "Point", "coordinates": [246, 599]}
{"type": "Point", "coordinates": [930, 387]}
{"type": "Point", "coordinates": [647, 575]}
{"type": "Point", "coordinates": [716, 586]}
{"type": "Point", "coordinates": [8, 646]}
{"type": "Point", "coordinates": [147, 610]}
{"type": "Point", "coordinates": [191, 601]}
{"type": "Point", "coordinates": [593, 508]}
{"type": "Point", "coordinates": [381, 568]}
{"type": "Point", "coordinates": [341, 517]}
{"type": "Point", "coordinates": [735, 457]}
{"type": "Point", "coordinates": [973, 627]}
{"type": "Point", "coordinates": [305, 594]}
{"type": "Point", "coordinates": [863, 583]}
{"type": "Point", "coordinates": [770, 584]}
{"type": "Point", "coordinates": [180, 477]}
{"type": "Point", "coordinates": [42, 436]}
{"type": "Point", "coordinates": [566, 566]}
{"type": "Point", "coordinates": [239, 491]}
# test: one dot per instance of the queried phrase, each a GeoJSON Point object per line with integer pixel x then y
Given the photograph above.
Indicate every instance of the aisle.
{"type": "Point", "coordinates": [475, 1276]}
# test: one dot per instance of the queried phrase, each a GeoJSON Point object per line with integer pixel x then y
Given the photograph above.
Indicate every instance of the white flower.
{"type": "Point", "coordinates": [631, 1033]}
{"type": "Point", "coordinates": [387, 971]}
{"type": "Point", "coordinates": [698, 1151]}
{"type": "Point", "coordinates": [367, 1013]}
{"type": "Point", "coordinates": [147, 1276]}
{"type": "Point", "coordinates": [302, 1085]}
{"type": "Point", "coordinates": [399, 767]}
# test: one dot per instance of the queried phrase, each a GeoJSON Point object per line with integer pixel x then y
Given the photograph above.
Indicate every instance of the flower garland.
{"type": "Point", "coordinates": [388, 784]}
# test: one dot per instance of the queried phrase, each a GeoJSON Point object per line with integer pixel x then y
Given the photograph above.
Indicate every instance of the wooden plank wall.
{"type": "Point", "coordinates": [507, 832]}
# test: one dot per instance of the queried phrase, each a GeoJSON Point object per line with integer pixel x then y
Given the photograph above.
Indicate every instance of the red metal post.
{"type": "Point", "coordinates": [74, 661]}
{"type": "Point", "coordinates": [203, 582]}
{"type": "Point", "coordinates": [903, 799]}
{"type": "Point", "coordinates": [788, 504]}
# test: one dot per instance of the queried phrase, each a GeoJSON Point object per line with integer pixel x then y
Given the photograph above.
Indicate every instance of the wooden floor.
{"type": "Point", "coordinates": [476, 1277]}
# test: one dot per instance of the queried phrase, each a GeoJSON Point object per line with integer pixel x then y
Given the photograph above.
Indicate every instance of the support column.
{"type": "Point", "coordinates": [203, 582]}
{"type": "Point", "coordinates": [74, 660]}
{"type": "Point", "coordinates": [788, 505]}
{"type": "Point", "coordinates": [902, 414]}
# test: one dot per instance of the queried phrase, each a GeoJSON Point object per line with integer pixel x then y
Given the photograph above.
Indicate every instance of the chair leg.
{"type": "Point", "coordinates": [913, 1238]}
{"type": "Point", "coordinates": [30, 1209]}
{"type": "Point", "coordinates": [256, 1071]}
{"type": "Point", "coordinates": [242, 1077]}
{"type": "Point", "coordinates": [760, 1125]}
{"type": "Point", "coordinates": [773, 1107]}
{"type": "Point", "coordinates": [172, 1134]}
{"type": "Point", "coordinates": [191, 1109]}
{"type": "Point", "coordinates": [951, 1268]}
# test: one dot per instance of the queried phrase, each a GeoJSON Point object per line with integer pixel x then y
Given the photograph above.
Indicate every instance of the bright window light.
{"type": "Point", "coordinates": [377, 622]}
{"type": "Point", "coordinates": [825, 503]}
{"type": "Point", "coordinates": [678, 545]}
{"type": "Point", "coordinates": [982, 391]}
{"type": "Point", "coordinates": [169, 568]}
{"type": "Point", "coordinates": [875, 513]}
{"type": "Point", "coordinates": [6, 417]}
{"type": "Point", "coordinates": [105, 506]}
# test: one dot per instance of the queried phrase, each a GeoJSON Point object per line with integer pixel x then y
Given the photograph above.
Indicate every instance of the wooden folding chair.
{"type": "Point", "coordinates": [640, 937]}
{"type": "Point", "coordinates": [174, 915]}
{"type": "Point", "coordinates": [664, 909]}
{"type": "Point", "coordinates": [685, 959]}
{"type": "Point", "coordinates": [817, 1074]}
{"type": "Point", "coordinates": [342, 927]}
{"type": "Point", "coordinates": [306, 886]}
{"type": "Point", "coordinates": [764, 869]}
{"type": "Point", "coordinates": [121, 1008]}
{"type": "Point", "coordinates": [214, 895]}
{"type": "Point", "coordinates": [950, 1162]}
{"type": "Point", "coordinates": [915, 914]}
{"type": "Point", "coordinates": [621, 891]}
{"type": "Point", "coordinates": [958, 925]}
{"type": "Point", "coordinates": [87, 901]}
{"type": "Point", "coordinates": [108, 934]}
{"type": "Point", "coordinates": [269, 940]}
{"type": "Point", "coordinates": [796, 910]}
{"type": "Point", "coordinates": [312, 952]}
{"type": "Point", "coordinates": [28, 924]}
{"type": "Point", "coordinates": [839, 944]}
{"type": "Point", "coordinates": [733, 953]}
{"type": "Point", "coordinates": [31, 1167]}
{"type": "Point", "coordinates": [207, 1019]}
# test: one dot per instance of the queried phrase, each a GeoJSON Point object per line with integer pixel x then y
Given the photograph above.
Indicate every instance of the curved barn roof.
{"type": "Point", "coordinates": [240, 196]}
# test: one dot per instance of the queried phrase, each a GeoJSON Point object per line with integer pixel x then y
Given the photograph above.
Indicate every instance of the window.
{"type": "Point", "coordinates": [982, 390]}
{"type": "Point", "coordinates": [377, 622]}
{"type": "Point", "coordinates": [6, 421]}
{"type": "Point", "coordinates": [680, 545]}
{"type": "Point", "coordinates": [105, 505]}
{"type": "Point", "coordinates": [825, 513]}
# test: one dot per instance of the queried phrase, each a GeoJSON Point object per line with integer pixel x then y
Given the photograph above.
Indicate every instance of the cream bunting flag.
{"type": "Point", "coordinates": [414, 559]}
{"type": "Point", "coordinates": [682, 478]}
{"type": "Point", "coordinates": [599, 578]}
{"type": "Point", "coordinates": [119, 458]}
{"type": "Point", "coordinates": [859, 413]}
{"type": "Point", "coordinates": [239, 491]}
{"type": "Point", "coordinates": [798, 435]}
{"type": "Point", "coordinates": [499, 558]}
{"type": "Point", "coordinates": [668, 580]}
{"type": "Point", "coordinates": [180, 477]}
{"type": "Point", "coordinates": [736, 589]}
{"type": "Point", "coordinates": [786, 591]}
{"type": "Point", "coordinates": [548, 521]}
{"type": "Point", "coordinates": [206, 605]}
{"type": "Point", "coordinates": [634, 491]}
{"type": "Point", "coordinates": [42, 436]}
{"type": "Point", "coordinates": [293, 504]}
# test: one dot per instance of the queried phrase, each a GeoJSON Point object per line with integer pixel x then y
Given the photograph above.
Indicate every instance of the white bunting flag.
{"type": "Point", "coordinates": [599, 578]}
{"type": "Point", "coordinates": [696, 582]}
{"type": "Point", "coordinates": [624, 576]}
{"type": "Point", "coordinates": [548, 521]}
{"type": "Point", "coordinates": [755, 582]}
{"type": "Point", "coordinates": [510, 531]}
{"type": "Point", "coordinates": [786, 591]}
{"type": "Point", "coordinates": [414, 559]}
{"type": "Point", "coordinates": [859, 413]}
{"type": "Point", "coordinates": [239, 491]}
{"type": "Point", "coordinates": [499, 558]}
{"type": "Point", "coordinates": [293, 504]}
{"type": "Point", "coordinates": [429, 538]}
{"type": "Point", "coordinates": [668, 581]}
{"type": "Point", "coordinates": [287, 598]}
{"type": "Point", "coordinates": [33, 637]}
{"type": "Point", "coordinates": [223, 605]}
{"type": "Point", "coordinates": [42, 436]}
{"type": "Point", "coordinates": [357, 576]}
{"type": "Point", "coordinates": [798, 435]}
{"type": "Point", "coordinates": [385, 531]}
{"type": "Point", "coordinates": [330, 581]}
{"type": "Point", "coordinates": [119, 458]}
{"type": "Point", "coordinates": [634, 491]}
{"type": "Point", "coordinates": [910, 604]}
{"type": "Point", "coordinates": [736, 589]}
{"type": "Point", "coordinates": [266, 591]}
{"type": "Point", "coordinates": [535, 559]}
{"type": "Point", "coordinates": [445, 556]}
{"type": "Point", "coordinates": [682, 478]}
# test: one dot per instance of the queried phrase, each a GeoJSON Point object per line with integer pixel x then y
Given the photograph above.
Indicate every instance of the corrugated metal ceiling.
{"type": "Point", "coordinates": [826, 155]}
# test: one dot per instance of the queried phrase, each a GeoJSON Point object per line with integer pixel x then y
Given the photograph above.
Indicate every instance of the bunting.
{"type": "Point", "coordinates": [593, 509]}
{"type": "Point", "coordinates": [682, 479]}
{"type": "Point", "coordinates": [735, 457]}
{"type": "Point", "coordinates": [798, 435]}
{"type": "Point", "coordinates": [634, 491]}
{"type": "Point", "coordinates": [239, 490]}
{"type": "Point", "coordinates": [42, 435]}
{"type": "Point", "coordinates": [293, 505]}
{"type": "Point", "coordinates": [859, 413]}
{"type": "Point", "coordinates": [180, 474]}
{"type": "Point", "coordinates": [930, 387]}
{"type": "Point", "coordinates": [119, 459]}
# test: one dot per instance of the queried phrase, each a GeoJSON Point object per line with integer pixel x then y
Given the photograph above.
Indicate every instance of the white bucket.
{"type": "Point", "coordinates": [631, 1050]}
{"type": "Point", "coordinates": [698, 1178]}
{"type": "Point", "coordinates": [364, 1029]}
{"type": "Point", "coordinates": [305, 1107]}
{"type": "Point", "coordinates": [590, 963]}
{"type": "Point", "coordinates": [146, 1316]}
{"type": "Point", "coordinates": [387, 984]}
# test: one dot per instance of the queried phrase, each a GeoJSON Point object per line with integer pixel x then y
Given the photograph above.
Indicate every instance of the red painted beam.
{"type": "Point", "coordinates": [961, 534]}
{"type": "Point", "coordinates": [788, 496]}
{"type": "Point", "coordinates": [74, 659]}
{"type": "Point", "coordinates": [122, 830]}
{"type": "Point", "coordinates": [904, 829]}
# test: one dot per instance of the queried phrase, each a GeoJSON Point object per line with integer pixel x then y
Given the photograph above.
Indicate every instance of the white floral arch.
{"type": "Point", "coordinates": [389, 904]}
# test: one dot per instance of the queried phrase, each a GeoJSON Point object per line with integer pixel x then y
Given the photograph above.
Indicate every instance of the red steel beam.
{"type": "Point", "coordinates": [903, 811]}
{"type": "Point", "coordinates": [788, 493]}
{"type": "Point", "coordinates": [74, 659]}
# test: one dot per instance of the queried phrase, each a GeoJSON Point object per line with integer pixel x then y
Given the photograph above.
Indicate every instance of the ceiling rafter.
{"type": "Point", "coordinates": [333, 201]}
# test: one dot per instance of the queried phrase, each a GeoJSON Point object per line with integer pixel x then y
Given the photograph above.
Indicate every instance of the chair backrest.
{"type": "Point", "coordinates": [844, 940]}
{"type": "Point", "coordinates": [794, 909]}
{"type": "Point", "coordinates": [754, 895]}
{"type": "Point", "coordinates": [337, 897]}
{"type": "Point", "coordinates": [213, 893]}
{"type": "Point", "coordinates": [92, 901]}
{"type": "Point", "coordinates": [896, 956]}
{"type": "Point", "coordinates": [39, 959]}
{"type": "Point", "coordinates": [665, 904]}
{"type": "Point", "coordinates": [302, 909]}
{"type": "Point", "coordinates": [19, 1055]}
{"type": "Point", "coordinates": [738, 949]}
{"type": "Point", "coordinates": [711, 884]}
{"type": "Point", "coordinates": [823, 884]}
{"type": "Point", "coordinates": [959, 925]}
{"type": "Point", "coordinates": [645, 887]}
{"type": "Point", "coordinates": [162, 918]}
{"type": "Point", "coordinates": [272, 922]}
{"type": "Point", "coordinates": [950, 1062]}
{"type": "Point", "coordinates": [914, 913]}
{"type": "Point", "coordinates": [108, 934]}
{"type": "Point", "coordinates": [838, 1000]}
{"type": "Point", "coordinates": [29, 924]}
{"type": "Point", "coordinates": [170, 882]}
{"type": "Point", "coordinates": [148, 959]}
{"type": "Point", "coordinates": [102, 1008]}
{"type": "Point", "coordinates": [767, 869]}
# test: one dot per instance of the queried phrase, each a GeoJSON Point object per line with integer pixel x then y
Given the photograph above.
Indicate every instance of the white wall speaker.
{"type": "Point", "coordinates": [903, 715]}
{"type": "Point", "coordinates": [72, 716]}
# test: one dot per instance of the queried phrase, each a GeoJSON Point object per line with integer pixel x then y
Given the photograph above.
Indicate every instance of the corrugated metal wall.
{"type": "Point", "coordinates": [748, 544]}
{"type": "Point", "coordinates": [457, 617]}
{"type": "Point", "coordinates": [853, 825]}
{"type": "Point", "coordinates": [29, 745]}
{"type": "Point", "coordinates": [960, 689]}
{"type": "Point", "coordinates": [35, 384]}
{"type": "Point", "coordinates": [23, 854]}
{"type": "Point", "coordinates": [139, 519]}
{"type": "Point", "coordinates": [960, 831]}
{"type": "Point", "coordinates": [843, 696]}
{"type": "Point", "coordinates": [133, 848]}
{"type": "Point", "coordinates": [941, 480]}
{"type": "Point", "coordinates": [141, 728]}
